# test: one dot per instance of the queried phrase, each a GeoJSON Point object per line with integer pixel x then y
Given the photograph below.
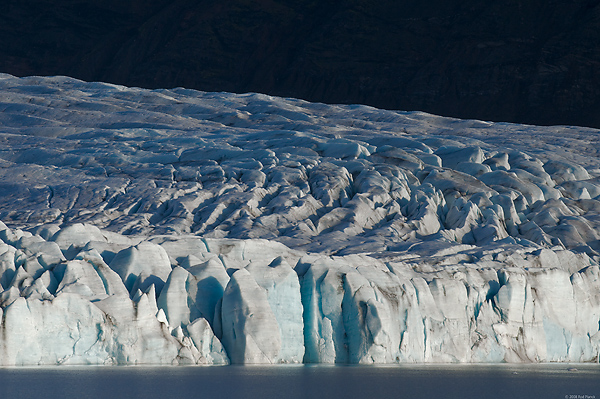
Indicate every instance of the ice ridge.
{"type": "Point", "coordinates": [182, 227]}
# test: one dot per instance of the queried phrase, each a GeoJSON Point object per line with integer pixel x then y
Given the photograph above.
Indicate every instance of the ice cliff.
{"type": "Point", "coordinates": [181, 227]}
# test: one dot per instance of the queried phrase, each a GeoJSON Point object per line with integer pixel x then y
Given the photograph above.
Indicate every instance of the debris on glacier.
{"type": "Point", "coordinates": [182, 227]}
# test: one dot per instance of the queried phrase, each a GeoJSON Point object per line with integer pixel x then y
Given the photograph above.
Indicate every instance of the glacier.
{"type": "Point", "coordinates": [176, 226]}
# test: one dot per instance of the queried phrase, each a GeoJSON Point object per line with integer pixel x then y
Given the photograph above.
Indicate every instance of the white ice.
{"type": "Point", "coordinates": [183, 227]}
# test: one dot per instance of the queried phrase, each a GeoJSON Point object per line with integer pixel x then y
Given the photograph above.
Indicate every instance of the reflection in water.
{"type": "Point", "coordinates": [305, 381]}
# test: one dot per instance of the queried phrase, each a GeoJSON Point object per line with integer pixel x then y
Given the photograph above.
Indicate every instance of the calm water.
{"type": "Point", "coordinates": [330, 382]}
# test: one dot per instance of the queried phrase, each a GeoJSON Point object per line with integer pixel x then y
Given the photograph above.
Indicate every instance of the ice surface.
{"type": "Point", "coordinates": [182, 227]}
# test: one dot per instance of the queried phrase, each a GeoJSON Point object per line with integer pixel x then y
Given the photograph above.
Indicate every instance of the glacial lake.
{"type": "Point", "coordinates": [581, 381]}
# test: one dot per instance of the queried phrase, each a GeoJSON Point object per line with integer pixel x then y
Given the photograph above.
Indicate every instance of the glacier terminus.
{"type": "Point", "coordinates": [176, 226]}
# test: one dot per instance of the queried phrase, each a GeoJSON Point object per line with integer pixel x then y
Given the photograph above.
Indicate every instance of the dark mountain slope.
{"type": "Point", "coordinates": [513, 60]}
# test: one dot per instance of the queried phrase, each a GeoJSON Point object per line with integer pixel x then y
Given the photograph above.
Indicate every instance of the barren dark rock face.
{"type": "Point", "coordinates": [510, 60]}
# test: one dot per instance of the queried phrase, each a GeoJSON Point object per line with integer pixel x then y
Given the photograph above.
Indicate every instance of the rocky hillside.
{"type": "Point", "coordinates": [532, 62]}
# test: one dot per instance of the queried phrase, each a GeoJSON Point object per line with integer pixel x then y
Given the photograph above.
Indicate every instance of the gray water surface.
{"type": "Point", "coordinates": [305, 381]}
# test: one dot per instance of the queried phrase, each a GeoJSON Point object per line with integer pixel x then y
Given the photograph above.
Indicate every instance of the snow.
{"type": "Point", "coordinates": [183, 227]}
